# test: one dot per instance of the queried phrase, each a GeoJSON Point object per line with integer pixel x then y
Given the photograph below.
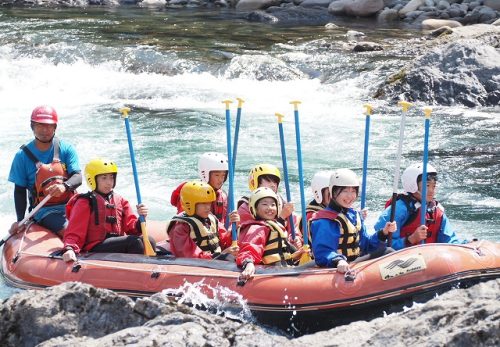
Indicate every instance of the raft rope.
{"type": "Point", "coordinates": [19, 252]}
{"type": "Point", "coordinates": [355, 271]}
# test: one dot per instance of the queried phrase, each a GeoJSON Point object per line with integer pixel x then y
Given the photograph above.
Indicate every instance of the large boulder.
{"type": "Point", "coordinates": [356, 8]}
{"type": "Point", "coordinates": [465, 71]}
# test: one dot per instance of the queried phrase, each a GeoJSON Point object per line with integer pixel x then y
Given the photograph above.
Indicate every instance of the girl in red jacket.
{"type": "Point", "coordinates": [102, 220]}
{"type": "Point", "coordinates": [263, 240]}
{"type": "Point", "coordinates": [196, 232]}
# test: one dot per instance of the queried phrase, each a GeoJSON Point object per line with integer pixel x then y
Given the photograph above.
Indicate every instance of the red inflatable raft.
{"type": "Point", "coordinates": [308, 297]}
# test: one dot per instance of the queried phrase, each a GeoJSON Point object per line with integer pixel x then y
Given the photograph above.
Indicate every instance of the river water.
{"type": "Point", "coordinates": [173, 68]}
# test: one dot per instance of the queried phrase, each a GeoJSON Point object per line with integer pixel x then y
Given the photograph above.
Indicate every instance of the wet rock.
{"type": "Point", "coordinates": [431, 24]}
{"type": "Point", "coordinates": [366, 46]}
{"type": "Point", "coordinates": [458, 318]}
{"type": "Point", "coordinates": [357, 8]}
{"type": "Point", "coordinates": [465, 72]}
{"type": "Point", "coordinates": [388, 15]}
{"type": "Point", "coordinates": [250, 5]}
{"type": "Point", "coordinates": [413, 5]}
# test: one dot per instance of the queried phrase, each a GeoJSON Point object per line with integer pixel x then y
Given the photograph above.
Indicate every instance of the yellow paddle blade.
{"type": "Point", "coordinates": [305, 257]}
{"type": "Point", "coordinates": [148, 249]}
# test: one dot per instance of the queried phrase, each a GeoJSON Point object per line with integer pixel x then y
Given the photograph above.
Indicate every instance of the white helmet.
{"type": "Point", "coordinates": [343, 178]}
{"type": "Point", "coordinates": [320, 180]}
{"type": "Point", "coordinates": [211, 161]}
{"type": "Point", "coordinates": [410, 176]}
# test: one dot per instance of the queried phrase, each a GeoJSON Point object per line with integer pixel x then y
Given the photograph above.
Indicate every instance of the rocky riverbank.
{"type": "Point", "coordinates": [78, 314]}
{"type": "Point", "coordinates": [415, 13]}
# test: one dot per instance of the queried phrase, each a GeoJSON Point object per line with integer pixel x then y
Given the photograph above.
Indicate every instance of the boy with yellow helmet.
{"type": "Point", "coordinates": [213, 170]}
{"type": "Point", "coordinates": [102, 220]}
{"type": "Point", "coordinates": [263, 240]}
{"type": "Point", "coordinates": [196, 232]}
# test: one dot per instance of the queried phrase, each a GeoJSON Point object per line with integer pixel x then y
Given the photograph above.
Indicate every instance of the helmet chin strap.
{"type": "Point", "coordinates": [49, 141]}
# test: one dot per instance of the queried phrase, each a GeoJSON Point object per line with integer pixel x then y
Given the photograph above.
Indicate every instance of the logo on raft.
{"type": "Point", "coordinates": [402, 266]}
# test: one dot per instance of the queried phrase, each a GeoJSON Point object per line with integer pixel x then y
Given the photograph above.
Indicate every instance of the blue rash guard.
{"type": "Point", "coordinates": [23, 170]}
{"type": "Point", "coordinates": [326, 235]}
{"type": "Point", "coordinates": [445, 234]}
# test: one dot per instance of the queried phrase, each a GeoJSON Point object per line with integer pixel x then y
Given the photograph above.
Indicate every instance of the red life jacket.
{"type": "Point", "coordinates": [433, 220]}
{"type": "Point", "coordinates": [47, 175]}
{"type": "Point", "coordinates": [106, 216]}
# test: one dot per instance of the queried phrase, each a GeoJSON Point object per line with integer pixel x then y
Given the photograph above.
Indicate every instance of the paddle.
{"type": "Point", "coordinates": [236, 131]}
{"type": "Point", "coordinates": [28, 217]}
{"type": "Point", "coordinates": [291, 225]}
{"type": "Point", "coordinates": [365, 155]}
{"type": "Point", "coordinates": [148, 249]}
{"type": "Point", "coordinates": [423, 214]}
{"type": "Point", "coordinates": [305, 257]}
{"type": "Point", "coordinates": [231, 172]}
{"type": "Point", "coordinates": [404, 105]}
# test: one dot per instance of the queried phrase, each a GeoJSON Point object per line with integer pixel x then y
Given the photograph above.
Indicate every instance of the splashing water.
{"type": "Point", "coordinates": [218, 300]}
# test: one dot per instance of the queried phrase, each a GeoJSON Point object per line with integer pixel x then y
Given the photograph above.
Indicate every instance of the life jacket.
{"type": "Point", "coordinates": [349, 233]}
{"type": "Point", "coordinates": [47, 175]}
{"type": "Point", "coordinates": [311, 208]}
{"type": "Point", "coordinates": [207, 239]}
{"type": "Point", "coordinates": [106, 217]}
{"type": "Point", "coordinates": [433, 217]}
{"type": "Point", "coordinates": [277, 248]}
{"type": "Point", "coordinates": [433, 220]}
{"type": "Point", "coordinates": [219, 206]}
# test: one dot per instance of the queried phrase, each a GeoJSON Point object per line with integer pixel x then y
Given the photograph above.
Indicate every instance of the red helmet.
{"type": "Point", "coordinates": [44, 114]}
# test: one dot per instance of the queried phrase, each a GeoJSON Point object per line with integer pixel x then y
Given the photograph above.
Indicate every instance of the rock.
{"type": "Point", "coordinates": [357, 8]}
{"type": "Point", "coordinates": [431, 24]}
{"type": "Point", "coordinates": [250, 5]}
{"type": "Point", "coordinates": [354, 35]}
{"type": "Point", "coordinates": [365, 46]}
{"type": "Point", "coordinates": [493, 4]}
{"type": "Point", "coordinates": [464, 72]}
{"type": "Point", "coordinates": [497, 22]}
{"type": "Point", "coordinates": [443, 5]}
{"type": "Point", "coordinates": [413, 5]}
{"type": "Point", "coordinates": [331, 26]}
{"type": "Point", "coordinates": [262, 17]}
{"type": "Point", "coordinates": [457, 318]}
{"type": "Point", "coordinates": [388, 15]}
{"type": "Point", "coordinates": [315, 3]}
{"type": "Point", "coordinates": [441, 31]}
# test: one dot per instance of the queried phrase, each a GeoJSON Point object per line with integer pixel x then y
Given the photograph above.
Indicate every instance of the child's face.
{"type": "Point", "coordinates": [347, 197]}
{"type": "Point", "coordinates": [264, 182]}
{"type": "Point", "coordinates": [431, 190]}
{"type": "Point", "coordinates": [217, 179]}
{"type": "Point", "coordinates": [105, 183]}
{"type": "Point", "coordinates": [203, 209]}
{"type": "Point", "coordinates": [267, 209]}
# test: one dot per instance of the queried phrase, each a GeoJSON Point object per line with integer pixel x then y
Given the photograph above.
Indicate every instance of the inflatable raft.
{"type": "Point", "coordinates": [307, 297]}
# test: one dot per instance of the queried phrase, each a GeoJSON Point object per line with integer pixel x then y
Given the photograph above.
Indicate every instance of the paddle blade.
{"type": "Point", "coordinates": [148, 249]}
{"type": "Point", "coordinates": [305, 257]}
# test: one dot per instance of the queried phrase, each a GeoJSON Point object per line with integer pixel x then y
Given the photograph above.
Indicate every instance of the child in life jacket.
{"type": "Point", "coordinates": [262, 239]}
{"type": "Point", "coordinates": [266, 175]}
{"type": "Point", "coordinates": [212, 169]}
{"type": "Point", "coordinates": [338, 233]}
{"type": "Point", "coordinates": [102, 220]}
{"type": "Point", "coordinates": [196, 232]}
{"type": "Point", "coordinates": [437, 228]}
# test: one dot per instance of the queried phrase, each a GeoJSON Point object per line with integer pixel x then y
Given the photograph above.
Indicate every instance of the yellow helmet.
{"type": "Point", "coordinates": [99, 166]}
{"type": "Point", "coordinates": [195, 192]}
{"type": "Point", "coordinates": [259, 194]}
{"type": "Point", "coordinates": [260, 170]}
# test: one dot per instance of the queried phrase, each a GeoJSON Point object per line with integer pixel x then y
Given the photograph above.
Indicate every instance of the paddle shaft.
{"type": "Point", "coordinates": [291, 226]}
{"type": "Point", "coordinates": [148, 249]}
{"type": "Point", "coordinates": [423, 202]}
{"type": "Point", "coordinates": [405, 105]}
{"type": "Point", "coordinates": [230, 167]}
{"type": "Point", "coordinates": [236, 132]}
{"type": "Point", "coordinates": [301, 174]}
{"type": "Point", "coordinates": [28, 217]}
{"type": "Point", "coordinates": [365, 156]}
